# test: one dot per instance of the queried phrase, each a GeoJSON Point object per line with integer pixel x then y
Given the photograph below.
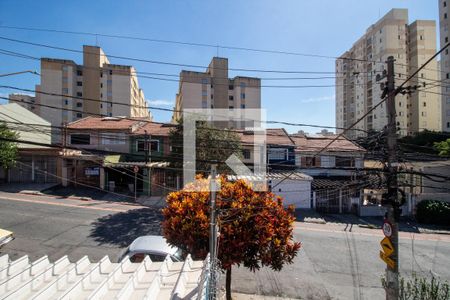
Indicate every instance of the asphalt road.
{"type": "Point", "coordinates": [341, 261]}
{"type": "Point", "coordinates": [58, 227]}
{"type": "Point", "coordinates": [337, 261]}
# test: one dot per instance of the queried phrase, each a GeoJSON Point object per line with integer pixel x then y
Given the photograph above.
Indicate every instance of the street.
{"type": "Point", "coordinates": [340, 261]}
{"type": "Point", "coordinates": [337, 260]}
{"type": "Point", "coordinates": [57, 227]}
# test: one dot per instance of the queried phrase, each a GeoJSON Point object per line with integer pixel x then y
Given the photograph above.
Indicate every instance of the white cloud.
{"type": "Point", "coordinates": [318, 99]}
{"type": "Point", "coordinates": [160, 102]}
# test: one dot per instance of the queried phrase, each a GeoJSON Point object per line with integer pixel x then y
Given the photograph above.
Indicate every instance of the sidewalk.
{"type": "Point", "coordinates": [26, 188]}
{"type": "Point", "coordinates": [405, 224]}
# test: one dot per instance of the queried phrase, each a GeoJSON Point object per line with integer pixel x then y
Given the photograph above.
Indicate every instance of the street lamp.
{"type": "Point", "coordinates": [21, 72]}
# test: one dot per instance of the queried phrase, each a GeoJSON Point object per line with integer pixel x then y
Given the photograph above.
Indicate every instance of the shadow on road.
{"type": "Point", "coordinates": [122, 228]}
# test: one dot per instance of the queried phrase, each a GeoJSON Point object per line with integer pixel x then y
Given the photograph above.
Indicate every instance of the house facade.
{"type": "Point", "coordinates": [117, 154]}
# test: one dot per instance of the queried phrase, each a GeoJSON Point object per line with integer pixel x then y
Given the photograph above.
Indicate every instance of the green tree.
{"type": "Point", "coordinates": [8, 150]}
{"type": "Point", "coordinates": [443, 147]}
{"type": "Point", "coordinates": [255, 229]}
{"type": "Point", "coordinates": [212, 144]}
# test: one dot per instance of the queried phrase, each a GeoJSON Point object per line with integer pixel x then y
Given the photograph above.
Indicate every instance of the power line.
{"type": "Point", "coordinates": [166, 41]}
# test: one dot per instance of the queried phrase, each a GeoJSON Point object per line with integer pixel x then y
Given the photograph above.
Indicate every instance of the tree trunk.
{"type": "Point", "coordinates": [228, 283]}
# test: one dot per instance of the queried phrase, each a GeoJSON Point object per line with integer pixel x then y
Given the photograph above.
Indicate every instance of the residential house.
{"type": "Point", "coordinates": [280, 148]}
{"type": "Point", "coordinates": [37, 161]}
{"type": "Point", "coordinates": [112, 153]}
{"type": "Point", "coordinates": [337, 170]}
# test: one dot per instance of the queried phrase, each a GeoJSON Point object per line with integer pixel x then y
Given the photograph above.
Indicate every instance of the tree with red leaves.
{"type": "Point", "coordinates": [255, 229]}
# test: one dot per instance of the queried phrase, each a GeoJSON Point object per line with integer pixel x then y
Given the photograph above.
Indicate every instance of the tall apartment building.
{"type": "Point", "coordinates": [113, 89]}
{"type": "Point", "coordinates": [26, 101]}
{"type": "Point", "coordinates": [444, 24]}
{"type": "Point", "coordinates": [213, 89]}
{"type": "Point", "coordinates": [357, 89]}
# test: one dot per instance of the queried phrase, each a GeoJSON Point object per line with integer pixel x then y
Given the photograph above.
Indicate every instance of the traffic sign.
{"type": "Point", "coordinates": [136, 169]}
{"type": "Point", "coordinates": [387, 246]}
{"type": "Point", "coordinates": [387, 229]}
{"type": "Point", "coordinates": [389, 261]}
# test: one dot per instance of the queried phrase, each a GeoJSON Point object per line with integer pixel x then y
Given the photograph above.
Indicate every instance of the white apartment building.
{"type": "Point", "coordinates": [357, 89]}
{"type": "Point", "coordinates": [213, 89]}
{"type": "Point", "coordinates": [69, 92]}
{"type": "Point", "coordinates": [444, 25]}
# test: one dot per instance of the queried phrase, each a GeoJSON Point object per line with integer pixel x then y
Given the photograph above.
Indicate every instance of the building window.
{"type": "Point", "coordinates": [277, 153]}
{"type": "Point", "coordinates": [230, 107]}
{"type": "Point", "coordinates": [79, 94]}
{"type": "Point", "coordinates": [204, 104]}
{"type": "Point", "coordinates": [230, 98]}
{"type": "Point", "coordinates": [65, 68]}
{"type": "Point", "coordinates": [79, 83]}
{"type": "Point", "coordinates": [446, 39]}
{"type": "Point", "coordinates": [424, 114]}
{"type": "Point", "coordinates": [205, 93]}
{"type": "Point", "coordinates": [114, 138]}
{"type": "Point", "coordinates": [424, 104]}
{"type": "Point", "coordinates": [310, 161]}
{"type": "Point", "coordinates": [79, 104]}
{"type": "Point", "coordinates": [212, 96]}
{"type": "Point", "coordinates": [110, 72]}
{"type": "Point", "coordinates": [109, 94]}
{"type": "Point", "coordinates": [246, 154]}
{"type": "Point", "coordinates": [141, 147]}
{"type": "Point", "coordinates": [448, 124]}
{"type": "Point", "coordinates": [101, 74]}
{"type": "Point", "coordinates": [242, 105]}
{"type": "Point", "coordinates": [420, 37]}
{"type": "Point", "coordinates": [242, 85]}
{"type": "Point", "coordinates": [79, 73]}
{"type": "Point", "coordinates": [109, 82]}
{"type": "Point", "coordinates": [80, 139]}
{"type": "Point", "coordinates": [66, 90]}
{"type": "Point", "coordinates": [204, 81]}
{"type": "Point", "coordinates": [445, 3]}
{"type": "Point", "coordinates": [101, 105]}
{"type": "Point", "coordinates": [345, 162]}
{"type": "Point", "coordinates": [447, 75]}
{"type": "Point", "coordinates": [101, 85]}
{"type": "Point", "coordinates": [445, 16]}
{"type": "Point", "coordinates": [79, 115]}
{"type": "Point", "coordinates": [231, 87]}
{"type": "Point", "coordinates": [242, 95]}
{"type": "Point", "coordinates": [109, 114]}
{"type": "Point", "coordinates": [66, 102]}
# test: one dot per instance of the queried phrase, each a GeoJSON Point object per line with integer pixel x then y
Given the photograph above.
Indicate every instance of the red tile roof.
{"type": "Point", "coordinates": [316, 143]}
{"type": "Point", "coordinates": [154, 129]}
{"type": "Point", "coordinates": [106, 123]}
{"type": "Point", "coordinates": [274, 136]}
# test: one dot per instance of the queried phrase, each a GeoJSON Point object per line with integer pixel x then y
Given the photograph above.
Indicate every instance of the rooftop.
{"type": "Point", "coordinates": [315, 143]}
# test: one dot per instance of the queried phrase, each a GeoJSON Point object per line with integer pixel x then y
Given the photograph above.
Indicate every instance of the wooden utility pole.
{"type": "Point", "coordinates": [392, 282]}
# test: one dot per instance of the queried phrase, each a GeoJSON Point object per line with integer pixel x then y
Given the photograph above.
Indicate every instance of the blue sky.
{"type": "Point", "coordinates": [324, 27]}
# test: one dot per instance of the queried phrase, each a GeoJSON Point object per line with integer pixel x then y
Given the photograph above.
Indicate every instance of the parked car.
{"type": "Point", "coordinates": [154, 246]}
{"type": "Point", "coordinates": [5, 237]}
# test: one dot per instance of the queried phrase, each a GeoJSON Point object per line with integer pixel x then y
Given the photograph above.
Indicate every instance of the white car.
{"type": "Point", "coordinates": [154, 246]}
{"type": "Point", "coordinates": [5, 237]}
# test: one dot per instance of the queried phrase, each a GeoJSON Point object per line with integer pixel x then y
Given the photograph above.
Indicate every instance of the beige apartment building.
{"type": "Point", "coordinates": [357, 89]}
{"type": "Point", "coordinates": [26, 101]}
{"type": "Point", "coordinates": [69, 91]}
{"type": "Point", "coordinates": [214, 89]}
{"type": "Point", "coordinates": [444, 25]}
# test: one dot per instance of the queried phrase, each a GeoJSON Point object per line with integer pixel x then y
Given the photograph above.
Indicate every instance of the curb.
{"type": "Point", "coordinates": [37, 193]}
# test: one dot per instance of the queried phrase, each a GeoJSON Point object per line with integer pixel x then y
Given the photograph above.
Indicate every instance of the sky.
{"type": "Point", "coordinates": [319, 27]}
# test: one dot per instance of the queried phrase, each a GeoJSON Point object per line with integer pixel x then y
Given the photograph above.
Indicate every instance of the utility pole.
{"type": "Point", "coordinates": [393, 211]}
{"type": "Point", "coordinates": [212, 234]}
